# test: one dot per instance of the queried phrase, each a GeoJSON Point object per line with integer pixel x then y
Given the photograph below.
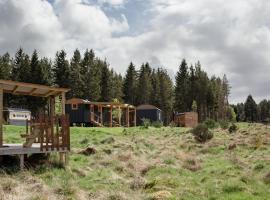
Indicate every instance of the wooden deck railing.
{"type": "Point", "coordinates": [53, 132]}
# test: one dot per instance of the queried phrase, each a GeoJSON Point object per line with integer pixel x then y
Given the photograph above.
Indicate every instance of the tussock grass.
{"type": "Point", "coordinates": [152, 163]}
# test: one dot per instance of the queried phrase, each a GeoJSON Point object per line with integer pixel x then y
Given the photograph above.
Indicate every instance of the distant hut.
{"type": "Point", "coordinates": [78, 110]}
{"type": "Point", "coordinates": [187, 119]}
{"type": "Point", "coordinates": [16, 116]}
{"type": "Point", "coordinates": [150, 112]}
{"type": "Point", "coordinates": [88, 113]}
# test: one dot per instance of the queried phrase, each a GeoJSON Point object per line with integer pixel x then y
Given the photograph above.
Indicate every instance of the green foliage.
{"type": "Point", "coordinates": [194, 106]}
{"type": "Point", "coordinates": [251, 110]}
{"type": "Point", "coordinates": [181, 88]}
{"type": "Point", "coordinates": [201, 133]}
{"type": "Point", "coordinates": [146, 123]}
{"type": "Point", "coordinates": [224, 124]}
{"type": "Point", "coordinates": [157, 124]}
{"type": "Point", "coordinates": [233, 128]}
{"type": "Point", "coordinates": [210, 123]}
{"type": "Point", "coordinates": [130, 82]}
{"type": "Point", "coordinates": [144, 87]}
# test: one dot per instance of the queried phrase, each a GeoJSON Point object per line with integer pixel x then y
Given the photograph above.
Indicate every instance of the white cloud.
{"type": "Point", "coordinates": [113, 2]}
{"type": "Point", "coordinates": [231, 37]}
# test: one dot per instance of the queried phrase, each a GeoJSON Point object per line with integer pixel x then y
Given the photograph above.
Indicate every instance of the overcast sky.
{"type": "Point", "coordinates": [231, 37]}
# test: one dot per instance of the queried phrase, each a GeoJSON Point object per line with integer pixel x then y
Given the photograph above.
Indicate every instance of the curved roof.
{"type": "Point", "coordinates": [147, 107]}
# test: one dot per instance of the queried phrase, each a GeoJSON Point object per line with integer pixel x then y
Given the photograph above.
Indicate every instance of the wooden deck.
{"type": "Point", "coordinates": [18, 149]}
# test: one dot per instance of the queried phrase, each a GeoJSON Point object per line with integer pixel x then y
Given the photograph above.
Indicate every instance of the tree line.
{"type": "Point", "coordinates": [90, 77]}
{"type": "Point", "coordinates": [250, 111]}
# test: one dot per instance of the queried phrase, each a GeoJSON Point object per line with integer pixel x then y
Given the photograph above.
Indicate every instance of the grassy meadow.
{"type": "Point", "coordinates": [151, 164]}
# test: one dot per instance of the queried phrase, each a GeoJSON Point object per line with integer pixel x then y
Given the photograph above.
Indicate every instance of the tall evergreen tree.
{"type": "Point", "coordinates": [106, 82]}
{"type": "Point", "coordinates": [144, 87]}
{"type": "Point", "coordinates": [117, 86]}
{"type": "Point", "coordinates": [76, 77]}
{"type": "Point", "coordinates": [250, 109]}
{"type": "Point", "coordinates": [181, 88]}
{"type": "Point", "coordinates": [165, 90]}
{"type": "Point", "coordinates": [61, 70]}
{"type": "Point", "coordinates": [91, 71]}
{"type": "Point", "coordinates": [5, 66]}
{"type": "Point", "coordinates": [129, 87]}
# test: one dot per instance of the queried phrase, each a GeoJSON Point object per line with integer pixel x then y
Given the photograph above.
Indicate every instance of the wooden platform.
{"type": "Point", "coordinates": [18, 149]}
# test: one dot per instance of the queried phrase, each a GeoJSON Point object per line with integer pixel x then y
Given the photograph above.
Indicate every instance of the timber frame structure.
{"type": "Point", "coordinates": [101, 114]}
{"type": "Point", "coordinates": [46, 133]}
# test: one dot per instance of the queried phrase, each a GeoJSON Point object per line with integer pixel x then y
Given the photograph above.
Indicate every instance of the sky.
{"type": "Point", "coordinates": [228, 37]}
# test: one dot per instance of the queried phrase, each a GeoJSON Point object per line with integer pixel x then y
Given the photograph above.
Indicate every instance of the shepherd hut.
{"type": "Point", "coordinates": [150, 112]}
{"type": "Point", "coordinates": [16, 116]}
{"type": "Point", "coordinates": [187, 119]}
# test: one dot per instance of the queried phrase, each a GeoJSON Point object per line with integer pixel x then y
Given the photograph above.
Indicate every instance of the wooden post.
{"type": "Point", "coordinates": [135, 117]}
{"type": "Point", "coordinates": [111, 116]}
{"type": "Point", "coordinates": [119, 115]}
{"type": "Point", "coordinates": [1, 116]}
{"type": "Point", "coordinates": [21, 161]}
{"type": "Point", "coordinates": [63, 103]}
{"type": "Point", "coordinates": [101, 115]}
{"type": "Point", "coordinates": [127, 116]}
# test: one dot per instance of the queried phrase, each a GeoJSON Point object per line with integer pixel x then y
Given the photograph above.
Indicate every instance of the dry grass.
{"type": "Point", "coordinates": [154, 163]}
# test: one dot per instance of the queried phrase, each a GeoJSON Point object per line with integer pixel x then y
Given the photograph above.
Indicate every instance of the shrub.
{"type": "Point", "coordinates": [224, 124]}
{"type": "Point", "coordinates": [210, 123]}
{"type": "Point", "coordinates": [202, 133]}
{"type": "Point", "coordinates": [146, 123]}
{"type": "Point", "coordinates": [172, 124]}
{"type": "Point", "coordinates": [157, 124]}
{"type": "Point", "coordinates": [233, 128]}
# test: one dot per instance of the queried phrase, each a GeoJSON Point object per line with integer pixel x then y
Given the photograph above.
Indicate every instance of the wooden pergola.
{"type": "Point", "coordinates": [113, 105]}
{"type": "Point", "coordinates": [44, 125]}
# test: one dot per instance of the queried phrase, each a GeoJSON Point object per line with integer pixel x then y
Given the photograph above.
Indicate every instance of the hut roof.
{"type": "Point", "coordinates": [147, 107]}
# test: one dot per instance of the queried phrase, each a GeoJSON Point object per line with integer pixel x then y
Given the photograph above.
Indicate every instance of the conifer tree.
{"type": "Point", "coordinates": [76, 78]}
{"type": "Point", "coordinates": [165, 91]}
{"type": "Point", "coordinates": [106, 82]}
{"type": "Point", "coordinates": [144, 88]}
{"type": "Point", "coordinates": [91, 71]}
{"type": "Point", "coordinates": [61, 70]}
{"type": "Point", "coordinates": [5, 66]}
{"type": "Point", "coordinates": [181, 88]}
{"type": "Point", "coordinates": [129, 87]}
{"type": "Point", "coordinates": [250, 109]}
{"type": "Point", "coordinates": [117, 86]}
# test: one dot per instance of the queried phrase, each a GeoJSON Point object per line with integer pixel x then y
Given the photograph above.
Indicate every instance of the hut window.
{"type": "Point", "coordinates": [74, 106]}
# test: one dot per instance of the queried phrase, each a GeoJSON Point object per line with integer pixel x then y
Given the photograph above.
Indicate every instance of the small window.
{"type": "Point", "coordinates": [74, 106]}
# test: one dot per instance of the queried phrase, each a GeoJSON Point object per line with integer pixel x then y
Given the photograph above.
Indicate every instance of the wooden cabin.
{"type": "Point", "coordinates": [112, 114]}
{"type": "Point", "coordinates": [17, 116]}
{"type": "Point", "coordinates": [150, 112]}
{"type": "Point", "coordinates": [187, 119]}
{"type": "Point", "coordinates": [47, 133]}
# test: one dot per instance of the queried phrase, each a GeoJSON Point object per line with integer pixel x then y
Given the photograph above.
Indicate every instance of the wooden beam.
{"type": "Point", "coordinates": [31, 85]}
{"type": "Point", "coordinates": [15, 89]}
{"type": "Point", "coordinates": [51, 92]}
{"type": "Point", "coordinates": [63, 103]}
{"type": "Point", "coordinates": [1, 116]}
{"type": "Point", "coordinates": [32, 91]}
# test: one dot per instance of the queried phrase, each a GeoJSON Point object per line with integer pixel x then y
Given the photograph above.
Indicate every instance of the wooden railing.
{"type": "Point", "coordinates": [53, 132]}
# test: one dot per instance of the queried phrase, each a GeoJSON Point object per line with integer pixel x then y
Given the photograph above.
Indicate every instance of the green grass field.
{"type": "Point", "coordinates": [154, 163]}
